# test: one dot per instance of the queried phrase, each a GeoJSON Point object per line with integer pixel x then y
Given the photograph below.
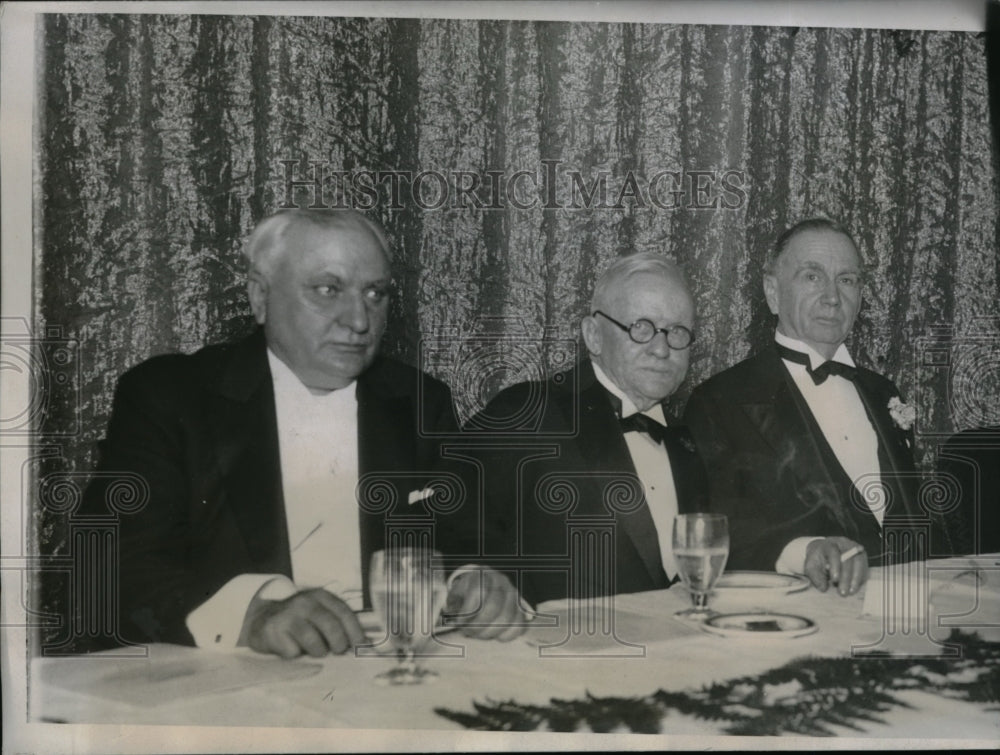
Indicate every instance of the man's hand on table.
{"type": "Point", "coordinates": [483, 603]}
{"type": "Point", "coordinates": [315, 622]}
{"type": "Point", "coordinates": [825, 567]}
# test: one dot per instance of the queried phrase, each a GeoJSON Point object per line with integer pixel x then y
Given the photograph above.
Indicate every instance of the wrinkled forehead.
{"type": "Point", "coordinates": [354, 246]}
{"type": "Point", "coordinates": [642, 286]}
{"type": "Point", "coordinates": [822, 248]}
{"type": "Point", "coordinates": [661, 299]}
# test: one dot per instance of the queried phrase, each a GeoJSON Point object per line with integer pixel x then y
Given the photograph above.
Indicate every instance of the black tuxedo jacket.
{"type": "Point", "coordinates": [558, 461]}
{"type": "Point", "coordinates": [773, 473]}
{"type": "Point", "coordinates": [201, 431]}
{"type": "Point", "coordinates": [970, 461]}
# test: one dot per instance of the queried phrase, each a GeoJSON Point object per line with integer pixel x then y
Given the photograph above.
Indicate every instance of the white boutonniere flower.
{"type": "Point", "coordinates": [902, 414]}
{"type": "Point", "coordinates": [416, 496]}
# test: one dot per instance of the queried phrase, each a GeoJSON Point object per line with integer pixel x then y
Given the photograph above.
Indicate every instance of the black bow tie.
{"type": "Point", "coordinates": [643, 424]}
{"type": "Point", "coordinates": [822, 372]}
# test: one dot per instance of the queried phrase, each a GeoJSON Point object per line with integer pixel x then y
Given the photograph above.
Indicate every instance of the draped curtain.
{"type": "Point", "coordinates": [510, 162]}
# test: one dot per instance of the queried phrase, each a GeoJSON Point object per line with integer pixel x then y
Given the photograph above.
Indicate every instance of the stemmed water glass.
{"type": "Point", "coordinates": [701, 548]}
{"type": "Point", "coordinates": [408, 592]}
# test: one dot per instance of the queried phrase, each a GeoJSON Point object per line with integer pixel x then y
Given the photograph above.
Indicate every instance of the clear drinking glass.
{"type": "Point", "coordinates": [701, 548]}
{"type": "Point", "coordinates": [408, 592]}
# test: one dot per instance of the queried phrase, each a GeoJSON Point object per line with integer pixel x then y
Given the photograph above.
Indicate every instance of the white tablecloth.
{"type": "Point", "coordinates": [646, 649]}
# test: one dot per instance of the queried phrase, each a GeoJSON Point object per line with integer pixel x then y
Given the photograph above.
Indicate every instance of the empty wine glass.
{"type": "Point", "coordinates": [701, 548]}
{"type": "Point", "coordinates": [408, 592]}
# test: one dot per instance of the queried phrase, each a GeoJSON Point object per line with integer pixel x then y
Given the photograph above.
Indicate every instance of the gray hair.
{"type": "Point", "coordinates": [809, 224]}
{"type": "Point", "coordinates": [632, 264]}
{"type": "Point", "coordinates": [265, 245]}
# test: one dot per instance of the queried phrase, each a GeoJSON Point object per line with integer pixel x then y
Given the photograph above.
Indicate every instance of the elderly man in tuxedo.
{"type": "Point", "coordinates": [584, 491]}
{"type": "Point", "coordinates": [255, 454]}
{"type": "Point", "coordinates": [808, 454]}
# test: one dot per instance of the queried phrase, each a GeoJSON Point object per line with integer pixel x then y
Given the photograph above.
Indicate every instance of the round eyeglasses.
{"type": "Point", "coordinates": [644, 331]}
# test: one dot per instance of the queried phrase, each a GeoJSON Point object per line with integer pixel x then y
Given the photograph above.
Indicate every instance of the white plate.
{"type": "Point", "coordinates": [759, 624]}
{"type": "Point", "coordinates": [762, 581]}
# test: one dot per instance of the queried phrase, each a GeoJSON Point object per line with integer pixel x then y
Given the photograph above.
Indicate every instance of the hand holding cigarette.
{"type": "Point", "coordinates": [836, 561]}
{"type": "Point", "coordinates": [851, 553]}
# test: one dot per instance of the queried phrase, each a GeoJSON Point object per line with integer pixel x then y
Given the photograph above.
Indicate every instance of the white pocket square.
{"type": "Point", "coordinates": [419, 495]}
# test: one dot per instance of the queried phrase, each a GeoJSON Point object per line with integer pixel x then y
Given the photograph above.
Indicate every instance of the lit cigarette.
{"type": "Point", "coordinates": [850, 553]}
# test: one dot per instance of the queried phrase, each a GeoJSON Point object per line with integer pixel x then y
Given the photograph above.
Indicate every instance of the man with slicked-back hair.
{"type": "Point", "coordinates": [257, 455]}
{"type": "Point", "coordinates": [808, 453]}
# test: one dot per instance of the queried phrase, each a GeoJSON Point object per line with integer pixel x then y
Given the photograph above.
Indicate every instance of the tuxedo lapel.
{"type": "Point", "coordinates": [847, 505]}
{"type": "Point", "coordinates": [690, 479]}
{"type": "Point", "coordinates": [600, 440]}
{"type": "Point", "coordinates": [773, 405]}
{"type": "Point", "coordinates": [246, 470]}
{"type": "Point", "coordinates": [804, 454]}
{"type": "Point", "coordinates": [602, 445]}
{"type": "Point", "coordinates": [385, 423]}
{"type": "Point", "coordinates": [892, 451]}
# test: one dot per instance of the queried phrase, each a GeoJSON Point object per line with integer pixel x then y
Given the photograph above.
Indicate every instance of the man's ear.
{"type": "Point", "coordinates": [591, 335]}
{"type": "Point", "coordinates": [771, 292]}
{"type": "Point", "coordinates": [257, 293]}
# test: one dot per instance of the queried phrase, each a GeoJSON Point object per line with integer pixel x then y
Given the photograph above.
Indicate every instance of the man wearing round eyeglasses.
{"type": "Point", "coordinates": [599, 475]}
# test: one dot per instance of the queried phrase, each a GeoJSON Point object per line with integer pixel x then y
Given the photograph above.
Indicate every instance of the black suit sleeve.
{"type": "Point", "coordinates": [142, 458]}
{"type": "Point", "coordinates": [441, 458]}
{"type": "Point", "coordinates": [744, 482]}
{"type": "Point", "coordinates": [489, 531]}
{"type": "Point", "coordinates": [735, 481]}
{"type": "Point", "coordinates": [969, 465]}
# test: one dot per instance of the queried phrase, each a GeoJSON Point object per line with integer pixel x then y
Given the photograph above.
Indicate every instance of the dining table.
{"type": "Point", "coordinates": [913, 656]}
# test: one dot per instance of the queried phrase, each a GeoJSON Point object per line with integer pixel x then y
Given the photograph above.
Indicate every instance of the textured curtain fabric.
{"type": "Point", "coordinates": [510, 162]}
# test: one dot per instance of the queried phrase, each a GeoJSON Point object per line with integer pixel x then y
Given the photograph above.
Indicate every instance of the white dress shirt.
{"type": "Point", "coordinates": [842, 418]}
{"type": "Point", "coordinates": [652, 465]}
{"type": "Point", "coordinates": [318, 443]}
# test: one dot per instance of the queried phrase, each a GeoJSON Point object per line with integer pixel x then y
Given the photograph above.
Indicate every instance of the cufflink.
{"type": "Point", "coordinates": [419, 495]}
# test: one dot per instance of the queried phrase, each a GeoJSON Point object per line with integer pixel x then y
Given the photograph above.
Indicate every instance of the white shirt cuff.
{"type": "Point", "coordinates": [217, 622]}
{"type": "Point", "coordinates": [467, 569]}
{"type": "Point", "coordinates": [793, 558]}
